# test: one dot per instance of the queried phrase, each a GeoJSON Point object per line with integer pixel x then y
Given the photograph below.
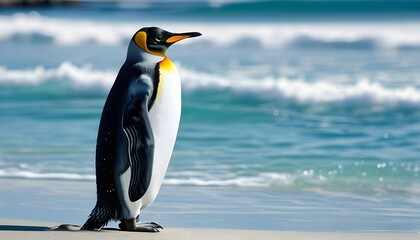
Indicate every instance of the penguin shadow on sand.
{"type": "Point", "coordinates": [63, 227]}
{"type": "Point", "coordinates": [19, 228]}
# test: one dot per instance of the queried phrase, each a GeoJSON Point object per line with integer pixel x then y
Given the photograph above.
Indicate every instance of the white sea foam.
{"type": "Point", "coordinates": [86, 79]}
{"type": "Point", "coordinates": [220, 3]}
{"type": "Point", "coordinates": [66, 32]}
{"type": "Point", "coordinates": [83, 77]}
{"type": "Point", "coordinates": [16, 173]}
{"type": "Point", "coordinates": [270, 35]}
{"type": "Point", "coordinates": [262, 180]}
{"type": "Point", "coordinates": [272, 180]}
{"type": "Point", "coordinates": [361, 92]}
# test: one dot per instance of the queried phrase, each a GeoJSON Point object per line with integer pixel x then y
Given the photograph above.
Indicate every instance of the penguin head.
{"type": "Point", "coordinates": [156, 41]}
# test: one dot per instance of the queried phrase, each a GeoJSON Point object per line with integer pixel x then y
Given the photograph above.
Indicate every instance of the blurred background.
{"type": "Point", "coordinates": [294, 112]}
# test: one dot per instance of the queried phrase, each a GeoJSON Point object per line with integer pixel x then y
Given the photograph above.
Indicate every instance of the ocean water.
{"type": "Point", "coordinates": [296, 112]}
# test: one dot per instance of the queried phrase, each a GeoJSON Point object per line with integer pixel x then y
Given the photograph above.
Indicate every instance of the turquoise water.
{"type": "Point", "coordinates": [302, 101]}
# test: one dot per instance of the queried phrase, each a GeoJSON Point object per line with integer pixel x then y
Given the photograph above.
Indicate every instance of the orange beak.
{"type": "Point", "coordinates": [179, 36]}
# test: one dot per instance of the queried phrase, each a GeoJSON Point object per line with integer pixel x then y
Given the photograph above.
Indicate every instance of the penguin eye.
{"type": "Point", "coordinates": [158, 39]}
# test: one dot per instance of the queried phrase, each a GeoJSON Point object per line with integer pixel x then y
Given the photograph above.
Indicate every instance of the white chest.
{"type": "Point", "coordinates": [164, 118]}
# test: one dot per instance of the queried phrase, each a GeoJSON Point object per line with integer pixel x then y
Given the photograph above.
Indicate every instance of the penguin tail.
{"type": "Point", "coordinates": [98, 218]}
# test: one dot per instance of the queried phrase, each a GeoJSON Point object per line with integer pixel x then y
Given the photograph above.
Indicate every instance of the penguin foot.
{"type": "Point", "coordinates": [127, 224]}
{"type": "Point", "coordinates": [148, 227]}
{"type": "Point", "coordinates": [131, 225]}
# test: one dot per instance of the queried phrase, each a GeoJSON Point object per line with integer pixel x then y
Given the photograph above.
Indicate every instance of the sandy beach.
{"type": "Point", "coordinates": [20, 229]}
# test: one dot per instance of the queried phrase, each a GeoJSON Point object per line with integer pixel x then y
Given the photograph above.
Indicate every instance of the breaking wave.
{"type": "Point", "coordinates": [74, 79]}
{"type": "Point", "coordinates": [391, 35]}
{"type": "Point", "coordinates": [79, 80]}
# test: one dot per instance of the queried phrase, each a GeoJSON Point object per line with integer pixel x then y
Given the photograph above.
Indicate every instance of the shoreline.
{"type": "Point", "coordinates": [20, 229]}
{"type": "Point", "coordinates": [221, 208]}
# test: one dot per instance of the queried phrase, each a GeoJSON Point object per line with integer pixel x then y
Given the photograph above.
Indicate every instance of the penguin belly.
{"type": "Point", "coordinates": [164, 118]}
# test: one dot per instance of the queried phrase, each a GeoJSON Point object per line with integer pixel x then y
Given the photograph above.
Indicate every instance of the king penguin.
{"type": "Point", "coordinates": [137, 131]}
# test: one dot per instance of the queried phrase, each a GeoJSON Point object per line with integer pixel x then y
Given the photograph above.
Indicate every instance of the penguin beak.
{"type": "Point", "coordinates": [175, 37]}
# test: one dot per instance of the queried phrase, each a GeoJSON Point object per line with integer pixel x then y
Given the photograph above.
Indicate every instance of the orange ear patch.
{"type": "Point", "coordinates": [140, 39]}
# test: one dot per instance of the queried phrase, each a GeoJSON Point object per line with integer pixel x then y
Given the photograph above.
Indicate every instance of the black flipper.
{"type": "Point", "coordinates": [139, 134]}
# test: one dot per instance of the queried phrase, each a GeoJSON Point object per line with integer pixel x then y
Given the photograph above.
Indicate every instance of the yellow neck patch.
{"type": "Point", "coordinates": [141, 40]}
{"type": "Point", "coordinates": [167, 65]}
